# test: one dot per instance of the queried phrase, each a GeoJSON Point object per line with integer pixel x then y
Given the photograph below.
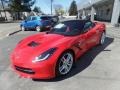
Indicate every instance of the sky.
{"type": "Point", "coordinates": [45, 4]}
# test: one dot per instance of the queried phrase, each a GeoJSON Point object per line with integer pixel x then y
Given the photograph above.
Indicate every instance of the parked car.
{"type": "Point", "coordinates": [50, 54]}
{"type": "Point", "coordinates": [37, 23]}
{"type": "Point", "coordinates": [53, 18]}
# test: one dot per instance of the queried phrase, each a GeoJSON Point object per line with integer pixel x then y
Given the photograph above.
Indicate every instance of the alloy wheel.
{"type": "Point", "coordinates": [38, 28]}
{"type": "Point", "coordinates": [103, 38]}
{"type": "Point", "coordinates": [66, 63]}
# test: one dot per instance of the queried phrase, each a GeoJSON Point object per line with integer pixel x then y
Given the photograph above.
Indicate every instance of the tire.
{"type": "Point", "coordinates": [64, 63]}
{"type": "Point", "coordinates": [102, 39]}
{"type": "Point", "coordinates": [38, 28]}
{"type": "Point", "coordinates": [22, 28]}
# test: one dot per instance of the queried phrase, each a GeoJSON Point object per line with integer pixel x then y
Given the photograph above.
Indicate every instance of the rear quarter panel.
{"type": "Point", "coordinates": [100, 28]}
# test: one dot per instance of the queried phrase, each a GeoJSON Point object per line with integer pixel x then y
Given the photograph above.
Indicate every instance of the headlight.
{"type": "Point", "coordinates": [44, 55]}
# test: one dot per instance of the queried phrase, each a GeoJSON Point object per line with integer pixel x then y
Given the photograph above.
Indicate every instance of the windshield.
{"type": "Point", "coordinates": [68, 28]}
{"type": "Point", "coordinates": [34, 18]}
{"type": "Point", "coordinates": [28, 18]}
{"type": "Point", "coordinates": [60, 28]}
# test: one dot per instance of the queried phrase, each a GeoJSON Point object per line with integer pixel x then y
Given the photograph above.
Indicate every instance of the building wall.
{"type": "Point", "coordinates": [8, 15]}
{"type": "Point", "coordinates": [104, 12]}
{"type": "Point", "coordinates": [103, 9]}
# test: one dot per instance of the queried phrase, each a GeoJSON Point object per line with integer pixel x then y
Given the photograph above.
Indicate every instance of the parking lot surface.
{"type": "Point", "coordinates": [98, 69]}
{"type": "Point", "coordinates": [7, 28]}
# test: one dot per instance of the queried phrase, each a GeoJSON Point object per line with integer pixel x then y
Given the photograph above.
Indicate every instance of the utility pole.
{"type": "Point", "coordinates": [51, 6]}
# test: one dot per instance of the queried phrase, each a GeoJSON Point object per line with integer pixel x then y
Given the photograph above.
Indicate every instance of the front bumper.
{"type": "Point", "coordinates": [41, 70]}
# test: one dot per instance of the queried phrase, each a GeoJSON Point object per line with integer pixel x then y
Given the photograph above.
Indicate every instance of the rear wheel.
{"type": "Point", "coordinates": [38, 28]}
{"type": "Point", "coordinates": [64, 64]}
{"type": "Point", "coordinates": [102, 40]}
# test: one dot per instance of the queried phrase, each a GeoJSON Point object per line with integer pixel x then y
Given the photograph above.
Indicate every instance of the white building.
{"type": "Point", "coordinates": [105, 10]}
{"type": "Point", "coordinates": [5, 13]}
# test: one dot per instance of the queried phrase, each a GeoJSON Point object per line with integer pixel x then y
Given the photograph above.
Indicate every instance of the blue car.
{"type": "Point", "coordinates": [37, 23]}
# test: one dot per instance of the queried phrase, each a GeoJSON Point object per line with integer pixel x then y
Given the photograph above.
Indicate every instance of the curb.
{"type": "Point", "coordinates": [2, 22]}
{"type": "Point", "coordinates": [12, 33]}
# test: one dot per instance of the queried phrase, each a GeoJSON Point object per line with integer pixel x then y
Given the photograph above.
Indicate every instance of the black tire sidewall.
{"type": "Point", "coordinates": [57, 64]}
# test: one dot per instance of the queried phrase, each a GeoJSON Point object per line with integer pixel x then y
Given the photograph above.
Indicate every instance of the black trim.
{"type": "Point", "coordinates": [24, 70]}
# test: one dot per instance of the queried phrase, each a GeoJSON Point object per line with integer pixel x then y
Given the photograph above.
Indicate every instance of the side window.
{"type": "Point", "coordinates": [38, 18]}
{"type": "Point", "coordinates": [44, 18]}
{"type": "Point", "coordinates": [28, 18]}
{"type": "Point", "coordinates": [88, 25]}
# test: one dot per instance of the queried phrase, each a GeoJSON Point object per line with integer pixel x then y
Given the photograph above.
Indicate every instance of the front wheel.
{"type": "Point", "coordinates": [38, 28]}
{"type": "Point", "coordinates": [64, 64]}
{"type": "Point", "coordinates": [22, 28]}
{"type": "Point", "coordinates": [102, 40]}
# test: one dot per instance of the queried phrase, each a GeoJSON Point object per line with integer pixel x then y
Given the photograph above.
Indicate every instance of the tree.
{"type": "Point", "coordinates": [59, 9]}
{"type": "Point", "coordinates": [15, 5]}
{"type": "Point", "coordinates": [27, 4]}
{"type": "Point", "coordinates": [21, 5]}
{"type": "Point", "coordinates": [18, 6]}
{"type": "Point", "coordinates": [73, 8]}
{"type": "Point", "coordinates": [37, 9]}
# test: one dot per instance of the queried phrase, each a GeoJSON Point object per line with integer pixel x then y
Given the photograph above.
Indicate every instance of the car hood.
{"type": "Point", "coordinates": [37, 44]}
{"type": "Point", "coordinates": [40, 40]}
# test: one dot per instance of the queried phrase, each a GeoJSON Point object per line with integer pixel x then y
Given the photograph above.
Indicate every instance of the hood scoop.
{"type": "Point", "coordinates": [33, 44]}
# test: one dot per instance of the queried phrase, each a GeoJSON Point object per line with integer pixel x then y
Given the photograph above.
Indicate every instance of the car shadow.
{"type": "Point", "coordinates": [84, 61]}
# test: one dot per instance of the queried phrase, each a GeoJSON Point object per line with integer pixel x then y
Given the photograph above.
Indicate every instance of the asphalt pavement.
{"type": "Point", "coordinates": [8, 28]}
{"type": "Point", "coordinates": [98, 69]}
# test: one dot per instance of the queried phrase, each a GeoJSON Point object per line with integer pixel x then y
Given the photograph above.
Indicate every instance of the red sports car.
{"type": "Point", "coordinates": [50, 54]}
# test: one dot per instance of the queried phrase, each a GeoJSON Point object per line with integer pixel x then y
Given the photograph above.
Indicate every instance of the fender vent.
{"type": "Point", "coordinates": [33, 44]}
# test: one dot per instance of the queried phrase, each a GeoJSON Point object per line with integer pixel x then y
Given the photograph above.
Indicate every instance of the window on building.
{"type": "Point", "coordinates": [108, 11]}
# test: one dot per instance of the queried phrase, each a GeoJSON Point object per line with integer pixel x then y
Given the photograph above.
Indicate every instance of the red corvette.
{"type": "Point", "coordinates": [50, 54]}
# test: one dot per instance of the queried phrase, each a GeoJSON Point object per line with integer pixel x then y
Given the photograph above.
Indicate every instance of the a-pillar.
{"type": "Point", "coordinates": [116, 12]}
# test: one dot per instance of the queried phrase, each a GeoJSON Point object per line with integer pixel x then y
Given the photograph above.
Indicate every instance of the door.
{"type": "Point", "coordinates": [29, 22]}
{"type": "Point", "coordinates": [80, 44]}
{"type": "Point", "coordinates": [91, 33]}
{"type": "Point", "coordinates": [34, 21]}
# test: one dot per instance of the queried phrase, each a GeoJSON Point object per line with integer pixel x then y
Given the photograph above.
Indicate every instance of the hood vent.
{"type": "Point", "coordinates": [33, 44]}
